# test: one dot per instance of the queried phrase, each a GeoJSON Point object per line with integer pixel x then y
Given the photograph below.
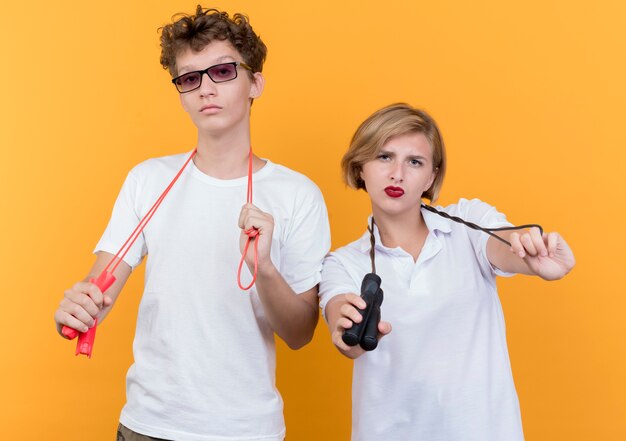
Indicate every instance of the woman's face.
{"type": "Point", "coordinates": [403, 170]}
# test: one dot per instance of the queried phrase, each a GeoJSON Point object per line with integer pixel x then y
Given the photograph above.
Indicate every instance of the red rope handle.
{"type": "Point", "coordinates": [252, 234]}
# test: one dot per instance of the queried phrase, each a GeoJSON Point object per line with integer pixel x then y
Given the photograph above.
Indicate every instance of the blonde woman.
{"type": "Point", "coordinates": [443, 373]}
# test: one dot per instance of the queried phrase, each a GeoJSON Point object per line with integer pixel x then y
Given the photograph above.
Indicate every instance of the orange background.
{"type": "Point", "coordinates": [530, 97]}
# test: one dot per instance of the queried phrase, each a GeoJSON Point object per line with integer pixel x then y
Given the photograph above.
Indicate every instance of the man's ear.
{"type": "Point", "coordinates": [258, 83]}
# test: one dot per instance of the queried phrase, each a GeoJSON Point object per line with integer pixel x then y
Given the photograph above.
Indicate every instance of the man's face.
{"type": "Point", "coordinates": [218, 107]}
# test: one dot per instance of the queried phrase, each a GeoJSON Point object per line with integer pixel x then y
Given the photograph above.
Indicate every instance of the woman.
{"type": "Point", "coordinates": [444, 372]}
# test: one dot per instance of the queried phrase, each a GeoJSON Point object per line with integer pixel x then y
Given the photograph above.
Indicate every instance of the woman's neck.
{"type": "Point", "coordinates": [407, 231]}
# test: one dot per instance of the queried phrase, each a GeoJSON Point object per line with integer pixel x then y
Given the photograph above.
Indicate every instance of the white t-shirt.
{"type": "Point", "coordinates": [204, 353]}
{"type": "Point", "coordinates": [443, 373]}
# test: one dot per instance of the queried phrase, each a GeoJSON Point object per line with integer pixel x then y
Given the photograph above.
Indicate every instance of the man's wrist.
{"type": "Point", "coordinates": [267, 270]}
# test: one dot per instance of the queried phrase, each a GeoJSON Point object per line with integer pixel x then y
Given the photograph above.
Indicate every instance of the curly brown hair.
{"type": "Point", "coordinates": [196, 31]}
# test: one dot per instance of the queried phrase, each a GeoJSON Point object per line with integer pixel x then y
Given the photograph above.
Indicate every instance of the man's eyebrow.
{"type": "Point", "coordinates": [219, 60]}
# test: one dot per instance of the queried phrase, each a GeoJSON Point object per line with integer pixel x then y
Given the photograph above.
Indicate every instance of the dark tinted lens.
{"type": "Point", "coordinates": [189, 81]}
{"type": "Point", "coordinates": [223, 72]}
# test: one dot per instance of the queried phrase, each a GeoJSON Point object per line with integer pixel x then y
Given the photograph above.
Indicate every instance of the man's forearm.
{"type": "Point", "coordinates": [292, 316]}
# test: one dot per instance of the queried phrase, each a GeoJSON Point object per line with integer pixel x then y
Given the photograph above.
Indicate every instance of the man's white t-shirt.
{"type": "Point", "coordinates": [204, 353]}
{"type": "Point", "coordinates": [443, 373]}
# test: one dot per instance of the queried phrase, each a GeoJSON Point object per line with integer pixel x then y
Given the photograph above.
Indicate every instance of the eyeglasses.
{"type": "Point", "coordinates": [220, 73]}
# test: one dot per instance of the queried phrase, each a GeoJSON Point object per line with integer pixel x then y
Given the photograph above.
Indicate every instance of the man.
{"type": "Point", "coordinates": [204, 349]}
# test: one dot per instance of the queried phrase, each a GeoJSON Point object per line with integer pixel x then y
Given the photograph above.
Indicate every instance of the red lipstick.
{"type": "Point", "coordinates": [394, 192]}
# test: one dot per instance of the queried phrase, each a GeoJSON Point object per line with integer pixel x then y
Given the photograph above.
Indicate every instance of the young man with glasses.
{"type": "Point", "coordinates": [204, 349]}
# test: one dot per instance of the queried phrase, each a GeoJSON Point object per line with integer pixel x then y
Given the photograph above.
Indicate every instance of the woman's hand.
{"type": "Point", "coordinates": [547, 256]}
{"type": "Point", "coordinates": [343, 309]}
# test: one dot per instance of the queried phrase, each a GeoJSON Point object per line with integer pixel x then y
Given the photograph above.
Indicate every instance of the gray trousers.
{"type": "Point", "coordinates": [125, 434]}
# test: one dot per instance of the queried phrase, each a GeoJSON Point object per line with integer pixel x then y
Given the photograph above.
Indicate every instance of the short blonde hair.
{"type": "Point", "coordinates": [384, 124]}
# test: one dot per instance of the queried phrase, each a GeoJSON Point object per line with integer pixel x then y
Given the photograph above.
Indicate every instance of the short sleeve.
{"type": "Point", "coordinates": [336, 280]}
{"type": "Point", "coordinates": [124, 219]}
{"type": "Point", "coordinates": [307, 241]}
{"type": "Point", "coordinates": [487, 216]}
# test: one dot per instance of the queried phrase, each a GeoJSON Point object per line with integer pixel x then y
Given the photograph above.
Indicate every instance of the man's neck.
{"type": "Point", "coordinates": [224, 156]}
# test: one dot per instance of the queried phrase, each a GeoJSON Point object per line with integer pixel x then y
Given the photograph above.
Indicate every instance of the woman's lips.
{"type": "Point", "coordinates": [394, 192]}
